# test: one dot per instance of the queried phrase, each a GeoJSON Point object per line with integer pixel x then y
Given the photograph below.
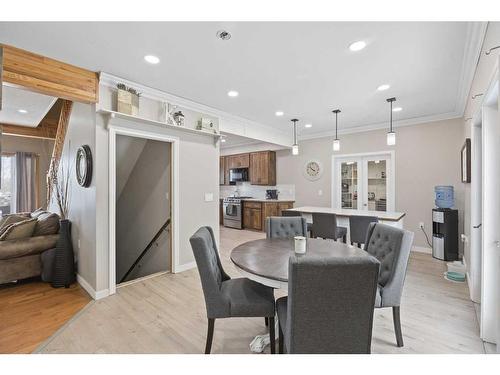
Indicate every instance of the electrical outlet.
{"type": "Point", "coordinates": [421, 225]}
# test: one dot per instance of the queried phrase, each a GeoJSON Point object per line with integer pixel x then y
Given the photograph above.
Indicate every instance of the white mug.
{"type": "Point", "coordinates": [300, 244]}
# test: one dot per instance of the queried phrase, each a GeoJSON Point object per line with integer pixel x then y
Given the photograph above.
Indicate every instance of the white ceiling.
{"type": "Point", "coordinates": [304, 69]}
{"type": "Point", "coordinates": [14, 99]}
{"type": "Point", "coordinates": [232, 140]}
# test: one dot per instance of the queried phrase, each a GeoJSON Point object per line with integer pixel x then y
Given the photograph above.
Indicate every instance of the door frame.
{"type": "Point", "coordinates": [391, 185]}
{"type": "Point", "coordinates": [115, 130]}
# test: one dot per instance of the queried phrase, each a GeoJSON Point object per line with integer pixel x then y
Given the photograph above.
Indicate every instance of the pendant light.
{"type": "Point", "coordinates": [295, 146]}
{"type": "Point", "coordinates": [391, 136]}
{"type": "Point", "coordinates": [336, 141]}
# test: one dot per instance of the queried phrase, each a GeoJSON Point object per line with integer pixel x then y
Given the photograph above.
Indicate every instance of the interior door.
{"type": "Point", "coordinates": [349, 183]}
{"type": "Point", "coordinates": [375, 187]}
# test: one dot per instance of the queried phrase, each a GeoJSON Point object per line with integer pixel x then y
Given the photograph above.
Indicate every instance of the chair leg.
{"type": "Point", "coordinates": [266, 321]}
{"type": "Point", "coordinates": [280, 339]}
{"type": "Point", "coordinates": [344, 238]}
{"type": "Point", "coordinates": [359, 245]}
{"type": "Point", "coordinates": [210, 335]}
{"type": "Point", "coordinates": [272, 335]}
{"type": "Point", "coordinates": [397, 326]}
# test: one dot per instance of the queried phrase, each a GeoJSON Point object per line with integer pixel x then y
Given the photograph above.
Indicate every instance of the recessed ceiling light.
{"type": "Point", "coordinates": [232, 93]}
{"type": "Point", "coordinates": [152, 59]}
{"type": "Point", "coordinates": [357, 46]}
{"type": "Point", "coordinates": [383, 87]}
{"type": "Point", "coordinates": [397, 109]}
{"type": "Point", "coordinates": [308, 125]}
{"type": "Point", "coordinates": [23, 111]}
{"type": "Point", "coordinates": [279, 113]}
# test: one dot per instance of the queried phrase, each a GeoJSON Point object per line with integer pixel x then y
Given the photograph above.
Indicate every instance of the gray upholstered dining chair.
{"type": "Point", "coordinates": [391, 246]}
{"type": "Point", "coordinates": [324, 226]}
{"type": "Point", "coordinates": [285, 227]}
{"type": "Point", "coordinates": [358, 227]}
{"type": "Point", "coordinates": [289, 213]}
{"type": "Point", "coordinates": [329, 308]}
{"type": "Point", "coordinates": [226, 297]}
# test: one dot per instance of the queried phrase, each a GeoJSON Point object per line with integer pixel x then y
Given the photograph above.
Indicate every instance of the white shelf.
{"type": "Point", "coordinates": [123, 116]}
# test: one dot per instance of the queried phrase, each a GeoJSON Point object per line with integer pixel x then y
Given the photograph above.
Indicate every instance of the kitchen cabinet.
{"type": "Point", "coordinates": [263, 168]}
{"type": "Point", "coordinates": [222, 170]}
{"type": "Point", "coordinates": [238, 161]}
{"type": "Point", "coordinates": [221, 211]}
{"type": "Point", "coordinates": [255, 213]}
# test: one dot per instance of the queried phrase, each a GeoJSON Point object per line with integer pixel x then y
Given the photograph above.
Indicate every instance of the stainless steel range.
{"type": "Point", "coordinates": [232, 210]}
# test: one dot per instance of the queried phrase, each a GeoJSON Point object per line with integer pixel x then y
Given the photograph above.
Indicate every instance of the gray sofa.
{"type": "Point", "coordinates": [21, 258]}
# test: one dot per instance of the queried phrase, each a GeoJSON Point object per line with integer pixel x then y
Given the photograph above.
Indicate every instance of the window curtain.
{"type": "Point", "coordinates": [26, 184]}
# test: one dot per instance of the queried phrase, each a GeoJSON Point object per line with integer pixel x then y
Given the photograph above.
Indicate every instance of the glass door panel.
{"type": "Point", "coordinates": [376, 192]}
{"type": "Point", "coordinates": [349, 184]}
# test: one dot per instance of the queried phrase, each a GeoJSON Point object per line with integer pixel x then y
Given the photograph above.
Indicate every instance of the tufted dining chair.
{"type": "Point", "coordinates": [391, 246]}
{"type": "Point", "coordinates": [226, 297]}
{"type": "Point", "coordinates": [325, 226]}
{"type": "Point", "coordinates": [285, 227]}
{"type": "Point", "coordinates": [358, 226]}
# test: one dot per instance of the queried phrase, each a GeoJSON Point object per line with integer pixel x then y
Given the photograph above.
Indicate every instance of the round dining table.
{"type": "Point", "coordinates": [266, 261]}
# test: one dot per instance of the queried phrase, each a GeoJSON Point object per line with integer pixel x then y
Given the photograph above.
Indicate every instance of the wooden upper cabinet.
{"type": "Point", "coordinates": [263, 168]}
{"type": "Point", "coordinates": [238, 161]}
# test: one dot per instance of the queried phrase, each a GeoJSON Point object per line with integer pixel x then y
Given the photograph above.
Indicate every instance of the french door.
{"type": "Point", "coordinates": [363, 181]}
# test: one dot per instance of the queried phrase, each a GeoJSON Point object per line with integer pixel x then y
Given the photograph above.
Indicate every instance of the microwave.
{"type": "Point", "coordinates": [238, 175]}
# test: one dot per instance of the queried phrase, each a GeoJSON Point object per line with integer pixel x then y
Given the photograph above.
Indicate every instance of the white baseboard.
{"type": "Point", "coordinates": [185, 267]}
{"type": "Point", "coordinates": [91, 291]}
{"type": "Point", "coordinates": [422, 249]}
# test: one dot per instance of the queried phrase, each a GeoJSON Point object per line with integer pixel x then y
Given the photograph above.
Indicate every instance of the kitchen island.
{"type": "Point", "coordinates": [386, 217]}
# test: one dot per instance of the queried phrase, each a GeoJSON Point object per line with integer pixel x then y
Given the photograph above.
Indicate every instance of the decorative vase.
{"type": "Point", "coordinates": [64, 262]}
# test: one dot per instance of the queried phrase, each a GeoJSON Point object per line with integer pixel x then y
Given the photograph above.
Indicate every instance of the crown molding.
{"type": "Point", "coordinates": [109, 80]}
{"type": "Point", "coordinates": [476, 32]}
{"type": "Point", "coordinates": [384, 125]}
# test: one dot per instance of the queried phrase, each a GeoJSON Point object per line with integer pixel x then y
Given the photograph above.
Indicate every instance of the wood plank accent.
{"type": "Point", "coordinates": [48, 76]}
{"type": "Point", "coordinates": [46, 130]}
{"type": "Point", "coordinates": [33, 311]}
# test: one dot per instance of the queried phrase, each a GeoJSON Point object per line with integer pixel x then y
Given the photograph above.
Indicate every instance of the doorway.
{"type": "Point", "coordinates": [143, 180]}
{"type": "Point", "coordinates": [364, 181]}
{"type": "Point", "coordinates": [143, 186]}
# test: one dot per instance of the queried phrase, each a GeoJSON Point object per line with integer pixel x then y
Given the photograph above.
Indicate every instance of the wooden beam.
{"type": "Point", "coordinates": [46, 130]}
{"type": "Point", "coordinates": [48, 76]}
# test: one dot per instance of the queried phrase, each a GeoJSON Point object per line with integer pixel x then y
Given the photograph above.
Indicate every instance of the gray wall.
{"type": "Point", "coordinates": [142, 207]}
{"type": "Point", "coordinates": [426, 155]}
{"type": "Point", "coordinates": [82, 207]}
{"type": "Point", "coordinates": [42, 147]}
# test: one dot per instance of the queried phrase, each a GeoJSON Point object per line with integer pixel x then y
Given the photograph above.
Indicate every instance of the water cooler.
{"type": "Point", "coordinates": [445, 234]}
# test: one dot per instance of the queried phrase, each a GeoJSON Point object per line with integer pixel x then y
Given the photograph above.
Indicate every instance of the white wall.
{"type": "Point", "coordinates": [426, 155]}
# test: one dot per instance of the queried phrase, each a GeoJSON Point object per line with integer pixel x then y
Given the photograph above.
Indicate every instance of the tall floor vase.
{"type": "Point", "coordinates": [64, 262]}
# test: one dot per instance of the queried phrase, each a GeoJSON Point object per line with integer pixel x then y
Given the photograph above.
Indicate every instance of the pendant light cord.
{"type": "Point", "coordinates": [391, 115]}
{"type": "Point", "coordinates": [336, 115]}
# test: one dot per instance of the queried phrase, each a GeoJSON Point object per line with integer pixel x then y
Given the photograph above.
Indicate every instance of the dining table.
{"type": "Point", "coordinates": [266, 262]}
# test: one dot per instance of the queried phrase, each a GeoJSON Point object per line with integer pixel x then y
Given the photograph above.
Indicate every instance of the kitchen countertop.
{"type": "Point", "coordinates": [267, 200]}
{"type": "Point", "coordinates": [382, 215]}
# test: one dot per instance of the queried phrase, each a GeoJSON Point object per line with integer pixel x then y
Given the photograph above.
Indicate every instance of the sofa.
{"type": "Point", "coordinates": [24, 237]}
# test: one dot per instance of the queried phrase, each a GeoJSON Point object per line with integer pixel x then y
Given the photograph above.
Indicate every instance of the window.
{"type": "Point", "coordinates": [7, 201]}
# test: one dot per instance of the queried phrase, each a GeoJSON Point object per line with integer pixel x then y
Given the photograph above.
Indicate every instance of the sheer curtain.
{"type": "Point", "coordinates": [26, 182]}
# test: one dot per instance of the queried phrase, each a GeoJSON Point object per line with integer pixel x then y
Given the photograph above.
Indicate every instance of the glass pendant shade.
{"type": "Point", "coordinates": [391, 139]}
{"type": "Point", "coordinates": [295, 149]}
{"type": "Point", "coordinates": [336, 144]}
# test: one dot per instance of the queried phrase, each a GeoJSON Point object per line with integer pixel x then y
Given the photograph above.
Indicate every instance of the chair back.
{"type": "Point", "coordinates": [324, 225]}
{"type": "Point", "coordinates": [290, 213]}
{"type": "Point", "coordinates": [209, 267]}
{"type": "Point", "coordinates": [358, 227]}
{"type": "Point", "coordinates": [391, 246]}
{"type": "Point", "coordinates": [330, 304]}
{"type": "Point", "coordinates": [285, 227]}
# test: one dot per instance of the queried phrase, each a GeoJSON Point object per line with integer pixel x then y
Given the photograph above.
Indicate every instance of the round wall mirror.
{"type": "Point", "coordinates": [84, 166]}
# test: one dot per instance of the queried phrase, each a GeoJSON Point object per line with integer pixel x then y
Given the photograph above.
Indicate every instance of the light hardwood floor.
{"type": "Point", "coordinates": [166, 314]}
{"type": "Point", "coordinates": [33, 311]}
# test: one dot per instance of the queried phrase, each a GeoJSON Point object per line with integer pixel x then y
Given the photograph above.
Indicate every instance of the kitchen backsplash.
{"type": "Point", "coordinates": [256, 191]}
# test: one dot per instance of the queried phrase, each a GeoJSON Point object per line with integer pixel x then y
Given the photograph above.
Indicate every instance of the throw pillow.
{"type": "Point", "coordinates": [7, 220]}
{"type": "Point", "coordinates": [22, 229]}
{"type": "Point", "coordinates": [38, 212]}
{"type": "Point", "coordinates": [47, 223]}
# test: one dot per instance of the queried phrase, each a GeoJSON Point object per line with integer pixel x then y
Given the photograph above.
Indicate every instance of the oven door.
{"type": "Point", "coordinates": [232, 215]}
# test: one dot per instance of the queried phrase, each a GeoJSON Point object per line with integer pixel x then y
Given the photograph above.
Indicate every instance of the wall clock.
{"type": "Point", "coordinates": [313, 170]}
{"type": "Point", "coordinates": [84, 166]}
